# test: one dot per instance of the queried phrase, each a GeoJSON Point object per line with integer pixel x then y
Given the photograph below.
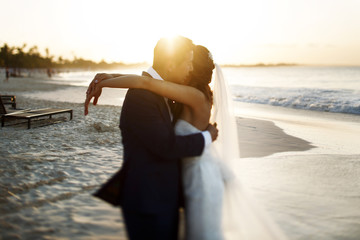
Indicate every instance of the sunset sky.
{"type": "Point", "coordinates": [237, 32]}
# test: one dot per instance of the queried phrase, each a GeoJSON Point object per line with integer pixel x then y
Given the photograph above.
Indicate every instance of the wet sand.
{"type": "Point", "coordinates": [259, 138]}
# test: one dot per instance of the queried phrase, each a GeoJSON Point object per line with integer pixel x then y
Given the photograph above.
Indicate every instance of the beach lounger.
{"type": "Point", "coordinates": [9, 100]}
{"type": "Point", "coordinates": [29, 115]}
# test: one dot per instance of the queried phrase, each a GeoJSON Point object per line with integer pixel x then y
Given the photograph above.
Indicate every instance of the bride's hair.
{"type": "Point", "coordinates": [203, 66]}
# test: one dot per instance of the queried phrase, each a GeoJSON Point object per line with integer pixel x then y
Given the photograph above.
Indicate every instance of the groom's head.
{"type": "Point", "coordinates": [173, 58]}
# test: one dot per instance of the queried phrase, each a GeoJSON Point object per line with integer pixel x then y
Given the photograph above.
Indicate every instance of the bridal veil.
{"type": "Point", "coordinates": [243, 218]}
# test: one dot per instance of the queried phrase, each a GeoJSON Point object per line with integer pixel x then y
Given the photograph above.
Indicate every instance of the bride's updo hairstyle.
{"type": "Point", "coordinates": [203, 66]}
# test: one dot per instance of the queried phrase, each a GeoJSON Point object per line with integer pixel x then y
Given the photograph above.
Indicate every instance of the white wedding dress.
{"type": "Point", "coordinates": [217, 204]}
{"type": "Point", "coordinates": [203, 190]}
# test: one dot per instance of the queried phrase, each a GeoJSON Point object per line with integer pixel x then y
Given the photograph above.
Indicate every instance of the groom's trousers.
{"type": "Point", "coordinates": [142, 226]}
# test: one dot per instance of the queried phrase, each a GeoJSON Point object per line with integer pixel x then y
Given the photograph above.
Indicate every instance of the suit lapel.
{"type": "Point", "coordinates": [162, 104]}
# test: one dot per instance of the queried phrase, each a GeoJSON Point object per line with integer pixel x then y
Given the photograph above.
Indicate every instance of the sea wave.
{"type": "Point", "coordinates": [325, 100]}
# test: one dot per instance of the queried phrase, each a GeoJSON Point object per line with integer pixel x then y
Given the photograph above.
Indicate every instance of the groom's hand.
{"type": "Point", "coordinates": [214, 132]}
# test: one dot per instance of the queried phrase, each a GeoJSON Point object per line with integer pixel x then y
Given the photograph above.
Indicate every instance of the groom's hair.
{"type": "Point", "coordinates": [174, 49]}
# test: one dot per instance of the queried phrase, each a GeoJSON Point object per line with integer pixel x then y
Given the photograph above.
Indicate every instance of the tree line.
{"type": "Point", "coordinates": [18, 57]}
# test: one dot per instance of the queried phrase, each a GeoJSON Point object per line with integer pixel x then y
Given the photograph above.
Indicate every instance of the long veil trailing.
{"type": "Point", "coordinates": [243, 218]}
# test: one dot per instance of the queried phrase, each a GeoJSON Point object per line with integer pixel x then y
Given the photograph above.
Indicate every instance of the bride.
{"type": "Point", "coordinates": [216, 204]}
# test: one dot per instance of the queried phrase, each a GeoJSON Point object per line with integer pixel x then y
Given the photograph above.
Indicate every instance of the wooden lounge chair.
{"type": "Point", "coordinates": [29, 115]}
{"type": "Point", "coordinates": [9, 100]}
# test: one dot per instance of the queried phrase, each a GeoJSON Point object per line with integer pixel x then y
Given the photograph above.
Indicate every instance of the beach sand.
{"type": "Point", "coordinates": [302, 166]}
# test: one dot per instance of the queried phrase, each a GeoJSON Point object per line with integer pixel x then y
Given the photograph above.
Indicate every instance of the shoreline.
{"type": "Point", "coordinates": [283, 130]}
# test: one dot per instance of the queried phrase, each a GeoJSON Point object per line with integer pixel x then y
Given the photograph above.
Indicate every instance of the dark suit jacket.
{"type": "Point", "coordinates": [149, 179]}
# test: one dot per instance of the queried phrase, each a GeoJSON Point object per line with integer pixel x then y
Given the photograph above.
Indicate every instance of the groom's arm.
{"type": "Point", "coordinates": [151, 129]}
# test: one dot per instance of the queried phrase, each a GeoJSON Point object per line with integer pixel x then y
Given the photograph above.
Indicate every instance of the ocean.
{"type": "Point", "coordinates": [325, 89]}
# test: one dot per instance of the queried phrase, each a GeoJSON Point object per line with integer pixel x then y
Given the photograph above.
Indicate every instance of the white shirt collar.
{"type": "Point", "coordinates": [154, 74]}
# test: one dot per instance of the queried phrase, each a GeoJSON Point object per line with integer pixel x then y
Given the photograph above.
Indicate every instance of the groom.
{"type": "Point", "coordinates": [150, 175]}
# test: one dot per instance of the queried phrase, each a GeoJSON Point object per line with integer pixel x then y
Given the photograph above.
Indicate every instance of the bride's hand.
{"type": "Point", "coordinates": [93, 93]}
{"type": "Point", "coordinates": [214, 132]}
{"type": "Point", "coordinates": [97, 79]}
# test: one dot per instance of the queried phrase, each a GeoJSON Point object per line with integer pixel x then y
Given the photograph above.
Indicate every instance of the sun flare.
{"type": "Point", "coordinates": [234, 31]}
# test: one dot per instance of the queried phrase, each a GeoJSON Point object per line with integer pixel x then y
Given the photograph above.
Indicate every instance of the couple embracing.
{"type": "Point", "coordinates": [169, 158]}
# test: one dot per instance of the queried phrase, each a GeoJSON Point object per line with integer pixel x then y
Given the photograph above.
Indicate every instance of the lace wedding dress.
{"type": "Point", "coordinates": [203, 190]}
